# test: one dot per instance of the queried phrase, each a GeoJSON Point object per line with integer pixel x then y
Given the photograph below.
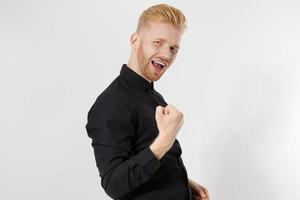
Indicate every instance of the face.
{"type": "Point", "coordinates": [156, 47]}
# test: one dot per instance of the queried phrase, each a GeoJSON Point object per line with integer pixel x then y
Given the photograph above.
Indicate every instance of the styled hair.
{"type": "Point", "coordinates": [163, 13]}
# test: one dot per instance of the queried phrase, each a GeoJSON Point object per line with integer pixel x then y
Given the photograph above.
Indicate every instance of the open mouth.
{"type": "Point", "coordinates": [158, 64]}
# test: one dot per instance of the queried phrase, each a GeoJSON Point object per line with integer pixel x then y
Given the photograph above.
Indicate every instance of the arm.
{"type": "Point", "coordinates": [111, 127]}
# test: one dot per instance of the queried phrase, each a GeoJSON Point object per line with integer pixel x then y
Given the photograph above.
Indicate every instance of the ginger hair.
{"type": "Point", "coordinates": [164, 13]}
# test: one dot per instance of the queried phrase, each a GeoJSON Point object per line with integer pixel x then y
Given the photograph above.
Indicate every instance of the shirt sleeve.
{"type": "Point", "coordinates": [111, 125]}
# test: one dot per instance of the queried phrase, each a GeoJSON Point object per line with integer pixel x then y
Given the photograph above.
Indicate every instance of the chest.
{"type": "Point", "coordinates": [146, 127]}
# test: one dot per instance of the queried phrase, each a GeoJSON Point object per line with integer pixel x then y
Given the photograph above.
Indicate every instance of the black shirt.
{"type": "Point", "coordinates": [122, 126]}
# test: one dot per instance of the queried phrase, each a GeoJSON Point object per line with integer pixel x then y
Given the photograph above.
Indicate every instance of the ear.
{"type": "Point", "coordinates": [134, 41]}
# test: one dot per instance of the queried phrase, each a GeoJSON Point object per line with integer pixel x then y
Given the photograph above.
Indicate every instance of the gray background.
{"type": "Point", "coordinates": [236, 78]}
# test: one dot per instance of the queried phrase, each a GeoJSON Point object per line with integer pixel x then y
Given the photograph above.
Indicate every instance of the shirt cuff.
{"type": "Point", "coordinates": [148, 161]}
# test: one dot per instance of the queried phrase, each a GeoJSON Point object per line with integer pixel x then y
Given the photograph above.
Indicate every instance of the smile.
{"type": "Point", "coordinates": [158, 64]}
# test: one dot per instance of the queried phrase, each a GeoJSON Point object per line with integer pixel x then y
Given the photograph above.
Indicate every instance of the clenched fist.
{"type": "Point", "coordinates": [169, 121]}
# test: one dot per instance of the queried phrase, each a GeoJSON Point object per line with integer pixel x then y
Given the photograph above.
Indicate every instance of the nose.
{"type": "Point", "coordinates": [165, 53]}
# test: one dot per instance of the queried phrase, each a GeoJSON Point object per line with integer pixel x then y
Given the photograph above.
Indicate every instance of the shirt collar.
{"type": "Point", "coordinates": [134, 79]}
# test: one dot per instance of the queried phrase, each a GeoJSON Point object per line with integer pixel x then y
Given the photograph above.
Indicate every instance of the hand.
{"type": "Point", "coordinates": [169, 121]}
{"type": "Point", "coordinates": [199, 192]}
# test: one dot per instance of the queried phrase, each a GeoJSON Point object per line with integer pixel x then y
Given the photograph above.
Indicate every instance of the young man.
{"type": "Point", "coordinates": [133, 129]}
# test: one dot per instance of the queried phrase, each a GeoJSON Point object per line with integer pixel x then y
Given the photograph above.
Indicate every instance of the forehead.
{"type": "Point", "coordinates": [161, 30]}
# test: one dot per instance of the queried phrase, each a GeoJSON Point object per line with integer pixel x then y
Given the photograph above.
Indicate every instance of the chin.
{"type": "Point", "coordinates": [156, 78]}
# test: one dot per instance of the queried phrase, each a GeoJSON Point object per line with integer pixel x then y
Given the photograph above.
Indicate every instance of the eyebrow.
{"type": "Point", "coordinates": [175, 46]}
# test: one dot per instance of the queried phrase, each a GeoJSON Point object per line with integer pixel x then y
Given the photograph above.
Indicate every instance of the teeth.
{"type": "Point", "coordinates": [159, 63]}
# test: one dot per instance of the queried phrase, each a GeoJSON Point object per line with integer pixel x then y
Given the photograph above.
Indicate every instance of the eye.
{"type": "Point", "coordinates": [156, 42]}
{"type": "Point", "coordinates": [174, 50]}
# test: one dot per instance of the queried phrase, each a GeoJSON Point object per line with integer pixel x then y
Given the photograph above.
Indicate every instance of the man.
{"type": "Point", "coordinates": [133, 129]}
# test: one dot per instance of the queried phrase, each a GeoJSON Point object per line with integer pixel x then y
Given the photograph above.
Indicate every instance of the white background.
{"type": "Point", "coordinates": [236, 78]}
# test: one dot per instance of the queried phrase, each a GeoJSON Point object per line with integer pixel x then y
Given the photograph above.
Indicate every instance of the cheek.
{"type": "Point", "coordinates": [146, 51]}
{"type": "Point", "coordinates": [173, 57]}
{"type": "Point", "coordinates": [150, 49]}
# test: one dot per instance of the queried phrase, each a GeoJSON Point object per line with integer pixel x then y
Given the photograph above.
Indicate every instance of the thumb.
{"type": "Point", "coordinates": [159, 112]}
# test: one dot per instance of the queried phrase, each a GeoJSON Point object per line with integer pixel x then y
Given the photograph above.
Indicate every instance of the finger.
{"type": "Point", "coordinates": [196, 189]}
{"type": "Point", "coordinates": [167, 110]}
{"type": "Point", "coordinates": [204, 190]}
{"type": "Point", "coordinates": [202, 193]}
{"type": "Point", "coordinates": [159, 111]}
{"type": "Point", "coordinates": [207, 193]}
{"type": "Point", "coordinates": [199, 192]}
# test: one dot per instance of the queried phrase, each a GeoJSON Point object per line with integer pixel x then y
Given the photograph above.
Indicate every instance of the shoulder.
{"type": "Point", "coordinates": [112, 101]}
